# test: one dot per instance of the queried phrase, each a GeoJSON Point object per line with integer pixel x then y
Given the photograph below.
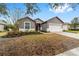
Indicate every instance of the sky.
{"type": "Point", "coordinates": [66, 14]}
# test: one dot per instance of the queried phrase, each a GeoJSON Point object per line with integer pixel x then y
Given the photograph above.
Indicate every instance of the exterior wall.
{"type": "Point", "coordinates": [65, 27]}
{"type": "Point", "coordinates": [44, 27]}
{"type": "Point", "coordinates": [22, 27]}
{"type": "Point", "coordinates": [78, 27]}
{"type": "Point", "coordinates": [52, 25]}
{"type": "Point", "coordinates": [26, 30]}
{"type": "Point", "coordinates": [55, 25]}
{"type": "Point", "coordinates": [74, 28]}
{"type": "Point", "coordinates": [38, 21]}
{"type": "Point", "coordinates": [1, 27]}
{"type": "Point", "coordinates": [55, 20]}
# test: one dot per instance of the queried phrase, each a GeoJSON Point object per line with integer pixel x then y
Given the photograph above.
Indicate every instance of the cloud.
{"type": "Point", "coordinates": [62, 9]}
{"type": "Point", "coordinates": [69, 9]}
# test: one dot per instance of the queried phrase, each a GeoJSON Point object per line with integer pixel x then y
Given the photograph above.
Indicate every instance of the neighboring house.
{"type": "Point", "coordinates": [66, 26]}
{"type": "Point", "coordinates": [74, 28]}
{"type": "Point", "coordinates": [2, 25]}
{"type": "Point", "coordinates": [52, 25]}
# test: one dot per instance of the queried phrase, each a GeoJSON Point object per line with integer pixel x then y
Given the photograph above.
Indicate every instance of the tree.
{"type": "Point", "coordinates": [75, 23]}
{"type": "Point", "coordinates": [12, 18]}
{"type": "Point", "coordinates": [56, 5]}
{"type": "Point", "coordinates": [3, 9]}
{"type": "Point", "coordinates": [31, 8]}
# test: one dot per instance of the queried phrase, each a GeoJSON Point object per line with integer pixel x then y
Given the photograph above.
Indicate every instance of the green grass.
{"type": "Point", "coordinates": [72, 31]}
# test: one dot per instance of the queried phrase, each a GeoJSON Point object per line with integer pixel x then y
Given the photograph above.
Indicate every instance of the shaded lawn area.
{"type": "Point", "coordinates": [40, 44]}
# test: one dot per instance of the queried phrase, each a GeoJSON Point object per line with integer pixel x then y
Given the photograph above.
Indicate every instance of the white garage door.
{"type": "Point", "coordinates": [55, 28]}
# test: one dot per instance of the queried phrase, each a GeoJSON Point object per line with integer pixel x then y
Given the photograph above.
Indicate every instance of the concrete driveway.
{"type": "Point", "coordinates": [73, 35]}
{"type": "Point", "coordinates": [72, 52]}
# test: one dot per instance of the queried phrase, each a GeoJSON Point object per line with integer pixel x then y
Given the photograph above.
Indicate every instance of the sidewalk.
{"type": "Point", "coordinates": [73, 52]}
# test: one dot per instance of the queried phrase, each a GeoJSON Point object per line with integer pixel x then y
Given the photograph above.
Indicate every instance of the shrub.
{"type": "Point", "coordinates": [19, 33]}
{"type": "Point", "coordinates": [45, 31]}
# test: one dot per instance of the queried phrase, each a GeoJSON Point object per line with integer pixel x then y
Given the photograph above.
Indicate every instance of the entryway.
{"type": "Point", "coordinates": [38, 27]}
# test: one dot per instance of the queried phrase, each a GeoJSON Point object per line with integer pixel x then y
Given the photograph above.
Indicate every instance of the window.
{"type": "Point", "coordinates": [27, 25]}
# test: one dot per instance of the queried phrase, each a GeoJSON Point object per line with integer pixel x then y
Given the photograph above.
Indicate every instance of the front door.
{"type": "Point", "coordinates": [38, 27]}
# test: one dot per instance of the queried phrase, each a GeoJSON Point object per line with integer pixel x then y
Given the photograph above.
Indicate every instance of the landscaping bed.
{"type": "Point", "coordinates": [18, 34]}
{"type": "Point", "coordinates": [41, 45]}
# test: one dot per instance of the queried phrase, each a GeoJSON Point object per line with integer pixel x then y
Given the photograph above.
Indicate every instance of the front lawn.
{"type": "Point", "coordinates": [72, 31]}
{"type": "Point", "coordinates": [3, 33]}
{"type": "Point", "coordinates": [40, 44]}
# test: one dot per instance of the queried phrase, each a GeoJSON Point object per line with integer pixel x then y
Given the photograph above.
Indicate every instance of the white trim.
{"type": "Point", "coordinates": [24, 25]}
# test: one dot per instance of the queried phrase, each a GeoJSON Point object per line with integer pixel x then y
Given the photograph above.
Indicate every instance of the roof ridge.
{"type": "Point", "coordinates": [39, 19]}
{"type": "Point", "coordinates": [26, 17]}
{"type": "Point", "coordinates": [53, 18]}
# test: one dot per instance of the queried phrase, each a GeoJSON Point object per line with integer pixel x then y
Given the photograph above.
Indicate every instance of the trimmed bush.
{"type": "Point", "coordinates": [17, 34]}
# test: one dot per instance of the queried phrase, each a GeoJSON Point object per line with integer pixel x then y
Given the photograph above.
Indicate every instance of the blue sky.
{"type": "Point", "coordinates": [66, 13]}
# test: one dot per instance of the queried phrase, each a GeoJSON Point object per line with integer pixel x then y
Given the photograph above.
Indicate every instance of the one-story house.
{"type": "Point", "coordinates": [54, 24]}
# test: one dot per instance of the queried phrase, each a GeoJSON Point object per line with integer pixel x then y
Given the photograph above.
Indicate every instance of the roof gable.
{"type": "Point", "coordinates": [38, 20]}
{"type": "Point", "coordinates": [54, 18]}
{"type": "Point", "coordinates": [26, 18]}
{"type": "Point", "coordinates": [2, 22]}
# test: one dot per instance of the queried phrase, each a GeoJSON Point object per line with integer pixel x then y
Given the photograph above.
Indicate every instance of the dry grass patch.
{"type": "Point", "coordinates": [42, 44]}
{"type": "Point", "coordinates": [3, 33]}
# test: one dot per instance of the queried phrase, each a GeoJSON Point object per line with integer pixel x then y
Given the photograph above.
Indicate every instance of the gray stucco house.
{"type": "Point", "coordinates": [52, 25]}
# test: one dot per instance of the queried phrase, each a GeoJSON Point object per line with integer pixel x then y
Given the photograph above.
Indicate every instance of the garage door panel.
{"type": "Point", "coordinates": [55, 28]}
